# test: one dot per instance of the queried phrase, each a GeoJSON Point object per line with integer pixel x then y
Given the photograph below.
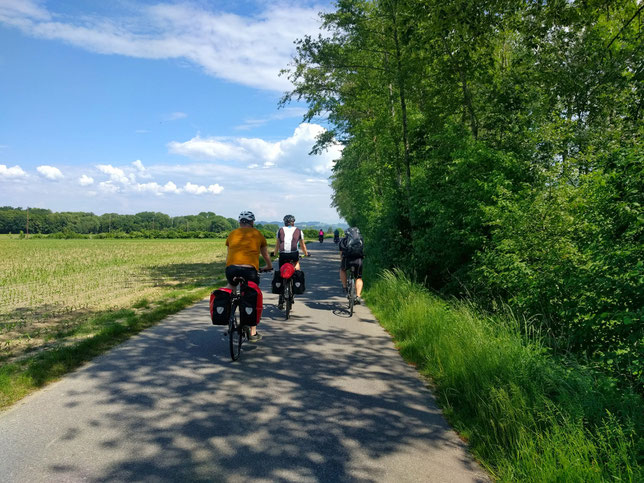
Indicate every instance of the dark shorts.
{"type": "Point", "coordinates": [288, 257]}
{"type": "Point", "coordinates": [249, 273]}
{"type": "Point", "coordinates": [355, 263]}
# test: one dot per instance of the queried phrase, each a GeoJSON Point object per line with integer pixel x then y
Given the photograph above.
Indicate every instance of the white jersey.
{"type": "Point", "coordinates": [289, 238]}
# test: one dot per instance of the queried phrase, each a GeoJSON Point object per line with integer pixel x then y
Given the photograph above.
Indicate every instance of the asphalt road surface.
{"type": "Point", "coordinates": [323, 397]}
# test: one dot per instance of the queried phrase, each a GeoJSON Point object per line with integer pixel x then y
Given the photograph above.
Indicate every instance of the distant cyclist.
{"type": "Point", "coordinates": [244, 245]}
{"type": "Point", "coordinates": [352, 250]}
{"type": "Point", "coordinates": [321, 235]}
{"type": "Point", "coordinates": [336, 236]}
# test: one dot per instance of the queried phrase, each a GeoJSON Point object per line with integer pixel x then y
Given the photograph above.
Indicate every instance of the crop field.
{"type": "Point", "coordinates": [48, 287]}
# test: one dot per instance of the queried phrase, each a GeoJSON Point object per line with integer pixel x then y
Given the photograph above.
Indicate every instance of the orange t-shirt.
{"type": "Point", "coordinates": [243, 247]}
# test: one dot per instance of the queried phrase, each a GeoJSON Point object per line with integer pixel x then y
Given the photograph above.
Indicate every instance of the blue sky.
{"type": "Point", "coordinates": [128, 106]}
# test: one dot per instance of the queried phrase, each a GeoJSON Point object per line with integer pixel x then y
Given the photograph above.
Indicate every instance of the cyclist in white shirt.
{"type": "Point", "coordinates": [289, 237]}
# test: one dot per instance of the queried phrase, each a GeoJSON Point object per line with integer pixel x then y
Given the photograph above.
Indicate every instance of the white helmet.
{"type": "Point", "coordinates": [246, 216]}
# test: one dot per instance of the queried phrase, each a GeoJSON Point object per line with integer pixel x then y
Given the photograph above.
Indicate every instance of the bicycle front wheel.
{"type": "Point", "coordinates": [234, 337]}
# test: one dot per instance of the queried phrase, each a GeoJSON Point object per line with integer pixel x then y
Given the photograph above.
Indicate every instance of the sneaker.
{"type": "Point", "coordinates": [358, 301]}
{"type": "Point", "coordinates": [255, 338]}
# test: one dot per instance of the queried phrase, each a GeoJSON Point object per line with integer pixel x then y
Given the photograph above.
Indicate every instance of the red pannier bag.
{"type": "Point", "coordinates": [251, 305]}
{"type": "Point", "coordinates": [220, 306]}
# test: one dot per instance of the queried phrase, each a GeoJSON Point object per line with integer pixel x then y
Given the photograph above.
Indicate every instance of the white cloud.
{"type": "Point", "coordinates": [200, 190]}
{"type": "Point", "coordinates": [291, 153]}
{"type": "Point", "coordinates": [141, 171]}
{"type": "Point", "coordinates": [13, 172]}
{"type": "Point", "coordinates": [85, 180]}
{"type": "Point", "coordinates": [170, 187]}
{"type": "Point", "coordinates": [175, 116]}
{"type": "Point", "coordinates": [208, 149]}
{"type": "Point", "coordinates": [108, 187]}
{"type": "Point", "coordinates": [195, 189]}
{"type": "Point", "coordinates": [157, 189]}
{"type": "Point", "coordinates": [50, 172]}
{"type": "Point", "coordinates": [246, 50]}
{"type": "Point", "coordinates": [215, 189]}
{"type": "Point", "coordinates": [116, 174]}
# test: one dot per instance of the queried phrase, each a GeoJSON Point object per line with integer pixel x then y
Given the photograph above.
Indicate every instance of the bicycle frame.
{"type": "Point", "coordinates": [287, 296]}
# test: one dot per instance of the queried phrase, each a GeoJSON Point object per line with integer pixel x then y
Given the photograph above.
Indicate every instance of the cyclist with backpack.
{"type": "Point", "coordinates": [352, 250]}
{"type": "Point", "coordinates": [244, 245]}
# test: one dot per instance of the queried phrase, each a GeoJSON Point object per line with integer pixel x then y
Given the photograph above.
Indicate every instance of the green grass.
{"type": "Point", "coordinates": [62, 302]}
{"type": "Point", "coordinates": [526, 415]}
{"type": "Point", "coordinates": [104, 330]}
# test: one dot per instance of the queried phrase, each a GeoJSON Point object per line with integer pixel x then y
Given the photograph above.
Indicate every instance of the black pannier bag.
{"type": "Point", "coordinates": [220, 306]}
{"type": "Point", "coordinates": [251, 304]}
{"type": "Point", "coordinates": [298, 282]}
{"type": "Point", "coordinates": [277, 285]}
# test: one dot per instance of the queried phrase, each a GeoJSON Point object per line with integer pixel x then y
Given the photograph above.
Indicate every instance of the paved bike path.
{"type": "Point", "coordinates": [323, 397]}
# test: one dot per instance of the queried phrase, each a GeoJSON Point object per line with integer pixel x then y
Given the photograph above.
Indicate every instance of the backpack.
{"type": "Point", "coordinates": [352, 245]}
{"type": "Point", "coordinates": [299, 286]}
{"type": "Point", "coordinates": [251, 305]}
{"type": "Point", "coordinates": [220, 306]}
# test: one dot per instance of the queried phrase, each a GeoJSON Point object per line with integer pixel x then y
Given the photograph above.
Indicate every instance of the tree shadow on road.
{"type": "Point", "coordinates": [310, 403]}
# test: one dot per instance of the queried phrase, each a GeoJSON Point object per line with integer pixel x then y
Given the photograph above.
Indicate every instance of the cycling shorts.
{"type": "Point", "coordinates": [355, 263]}
{"type": "Point", "coordinates": [288, 257]}
{"type": "Point", "coordinates": [249, 273]}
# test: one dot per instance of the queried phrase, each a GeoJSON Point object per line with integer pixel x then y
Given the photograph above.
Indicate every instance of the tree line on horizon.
{"type": "Point", "coordinates": [493, 150]}
{"type": "Point", "coordinates": [44, 221]}
{"type": "Point", "coordinates": [146, 224]}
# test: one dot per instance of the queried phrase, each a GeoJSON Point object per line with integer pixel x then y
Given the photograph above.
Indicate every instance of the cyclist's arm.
{"type": "Point", "coordinates": [306, 252]}
{"type": "Point", "coordinates": [264, 252]}
{"type": "Point", "coordinates": [277, 245]}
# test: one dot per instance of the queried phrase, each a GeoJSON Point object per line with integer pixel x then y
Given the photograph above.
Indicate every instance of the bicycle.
{"type": "Point", "coordinates": [287, 297]}
{"type": "Point", "coordinates": [237, 333]}
{"type": "Point", "coordinates": [351, 289]}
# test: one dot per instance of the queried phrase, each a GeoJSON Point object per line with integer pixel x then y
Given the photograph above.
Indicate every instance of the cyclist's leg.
{"type": "Point", "coordinates": [343, 273]}
{"type": "Point", "coordinates": [358, 272]}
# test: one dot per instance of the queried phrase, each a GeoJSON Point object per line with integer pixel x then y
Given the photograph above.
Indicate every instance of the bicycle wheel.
{"type": "Point", "coordinates": [352, 294]}
{"type": "Point", "coordinates": [288, 297]}
{"type": "Point", "coordinates": [234, 336]}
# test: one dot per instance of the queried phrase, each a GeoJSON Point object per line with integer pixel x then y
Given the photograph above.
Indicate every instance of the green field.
{"type": "Point", "coordinates": [50, 288]}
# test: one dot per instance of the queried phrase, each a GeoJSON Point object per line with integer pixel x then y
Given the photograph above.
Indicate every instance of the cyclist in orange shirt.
{"type": "Point", "coordinates": [244, 245]}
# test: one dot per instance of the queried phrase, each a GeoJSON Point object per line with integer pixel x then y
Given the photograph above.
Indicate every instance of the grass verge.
{"type": "Point", "coordinates": [95, 336]}
{"type": "Point", "coordinates": [526, 415]}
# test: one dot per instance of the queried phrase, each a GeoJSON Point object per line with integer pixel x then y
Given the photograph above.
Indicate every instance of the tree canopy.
{"type": "Point", "coordinates": [494, 148]}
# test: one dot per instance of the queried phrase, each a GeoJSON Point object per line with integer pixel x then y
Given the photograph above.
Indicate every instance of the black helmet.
{"type": "Point", "coordinates": [288, 219]}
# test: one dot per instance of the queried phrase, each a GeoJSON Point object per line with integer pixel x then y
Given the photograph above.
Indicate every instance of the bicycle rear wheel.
{"type": "Point", "coordinates": [234, 336]}
{"type": "Point", "coordinates": [288, 297]}
{"type": "Point", "coordinates": [352, 294]}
